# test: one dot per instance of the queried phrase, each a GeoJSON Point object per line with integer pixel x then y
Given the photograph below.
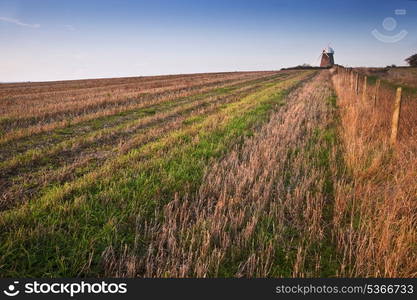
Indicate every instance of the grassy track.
{"type": "Point", "coordinates": [265, 210]}
{"type": "Point", "coordinates": [67, 230]}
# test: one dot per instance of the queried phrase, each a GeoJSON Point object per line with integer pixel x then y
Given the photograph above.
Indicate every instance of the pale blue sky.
{"type": "Point", "coordinates": [52, 40]}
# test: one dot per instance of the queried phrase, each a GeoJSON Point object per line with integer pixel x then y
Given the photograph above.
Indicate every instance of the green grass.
{"type": "Point", "coordinates": [407, 89]}
{"type": "Point", "coordinates": [56, 234]}
{"type": "Point", "coordinates": [60, 139]}
{"type": "Point", "coordinates": [193, 119]}
{"type": "Point", "coordinates": [120, 118]}
{"type": "Point", "coordinates": [327, 155]}
{"type": "Point", "coordinates": [319, 159]}
{"type": "Point", "coordinates": [50, 161]}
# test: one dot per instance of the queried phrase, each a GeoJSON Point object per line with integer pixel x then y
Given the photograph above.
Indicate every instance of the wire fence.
{"type": "Point", "coordinates": [395, 104]}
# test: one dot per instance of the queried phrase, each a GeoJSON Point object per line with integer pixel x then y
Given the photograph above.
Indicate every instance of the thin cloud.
{"type": "Point", "coordinates": [18, 22]}
{"type": "Point", "coordinates": [69, 27]}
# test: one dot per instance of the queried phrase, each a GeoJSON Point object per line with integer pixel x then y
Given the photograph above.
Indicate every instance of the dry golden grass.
{"type": "Point", "coordinates": [34, 163]}
{"type": "Point", "coordinates": [40, 98]}
{"type": "Point", "coordinates": [259, 211]}
{"type": "Point", "coordinates": [24, 175]}
{"type": "Point", "coordinates": [402, 76]}
{"type": "Point", "coordinates": [375, 212]}
{"type": "Point", "coordinates": [33, 113]}
{"type": "Point", "coordinates": [252, 174]}
{"type": "Point", "coordinates": [85, 185]}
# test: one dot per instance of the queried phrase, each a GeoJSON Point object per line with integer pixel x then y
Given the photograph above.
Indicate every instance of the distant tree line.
{"type": "Point", "coordinates": [303, 67]}
{"type": "Point", "coordinates": [412, 60]}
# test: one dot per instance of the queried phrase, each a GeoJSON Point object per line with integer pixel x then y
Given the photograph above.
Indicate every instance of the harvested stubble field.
{"type": "Point", "coordinates": [244, 174]}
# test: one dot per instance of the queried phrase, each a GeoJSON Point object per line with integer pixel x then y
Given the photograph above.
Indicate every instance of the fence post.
{"type": "Point", "coordinates": [376, 95]}
{"type": "Point", "coordinates": [357, 84]}
{"type": "Point", "coordinates": [365, 86]}
{"type": "Point", "coordinates": [396, 117]}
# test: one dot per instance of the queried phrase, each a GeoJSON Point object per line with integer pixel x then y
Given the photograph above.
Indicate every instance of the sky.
{"type": "Point", "coordinates": [42, 40]}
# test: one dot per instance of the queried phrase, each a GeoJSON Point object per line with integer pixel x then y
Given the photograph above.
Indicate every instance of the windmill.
{"type": "Point", "coordinates": [327, 57]}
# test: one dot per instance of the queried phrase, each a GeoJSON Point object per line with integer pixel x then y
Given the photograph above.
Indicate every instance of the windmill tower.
{"type": "Point", "coordinates": [327, 58]}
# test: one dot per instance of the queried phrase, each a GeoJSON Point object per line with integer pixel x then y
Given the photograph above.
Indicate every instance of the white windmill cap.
{"type": "Point", "coordinates": [329, 50]}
